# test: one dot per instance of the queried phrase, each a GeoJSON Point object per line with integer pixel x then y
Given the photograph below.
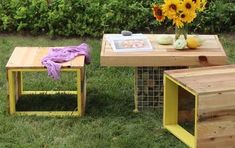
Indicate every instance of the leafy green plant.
{"type": "Point", "coordinates": [218, 17]}
{"type": "Point", "coordinates": [95, 17]}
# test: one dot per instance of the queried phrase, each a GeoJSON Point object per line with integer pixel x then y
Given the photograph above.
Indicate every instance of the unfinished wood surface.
{"type": "Point", "coordinates": [216, 133]}
{"type": "Point", "coordinates": [215, 103]}
{"type": "Point", "coordinates": [206, 80]}
{"type": "Point", "coordinates": [220, 105]}
{"type": "Point", "coordinates": [210, 53]}
{"type": "Point", "coordinates": [30, 57]}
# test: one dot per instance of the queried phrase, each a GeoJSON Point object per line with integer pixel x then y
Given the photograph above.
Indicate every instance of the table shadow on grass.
{"type": "Point", "coordinates": [43, 102]}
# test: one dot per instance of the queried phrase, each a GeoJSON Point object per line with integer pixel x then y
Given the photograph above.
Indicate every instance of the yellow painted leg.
{"type": "Point", "coordinates": [79, 95]}
{"type": "Point", "coordinates": [83, 88]}
{"type": "Point", "coordinates": [135, 92]}
{"type": "Point", "coordinates": [195, 120]}
{"type": "Point", "coordinates": [170, 115]}
{"type": "Point", "coordinates": [21, 84]}
{"type": "Point", "coordinates": [18, 85]}
{"type": "Point", "coordinates": [11, 91]}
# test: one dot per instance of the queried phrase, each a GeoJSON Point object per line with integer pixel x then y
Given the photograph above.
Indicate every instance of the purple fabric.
{"type": "Point", "coordinates": [63, 54]}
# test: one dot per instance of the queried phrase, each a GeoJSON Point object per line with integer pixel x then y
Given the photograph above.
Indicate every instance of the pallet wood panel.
{"type": "Point", "coordinates": [30, 57]}
{"type": "Point", "coordinates": [208, 80]}
{"type": "Point", "coordinates": [214, 105]}
{"type": "Point", "coordinates": [166, 55]}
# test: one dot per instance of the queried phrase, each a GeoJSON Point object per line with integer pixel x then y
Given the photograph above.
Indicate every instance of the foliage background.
{"type": "Point", "coordinates": [94, 17]}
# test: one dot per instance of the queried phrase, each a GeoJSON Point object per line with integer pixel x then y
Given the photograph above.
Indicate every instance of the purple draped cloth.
{"type": "Point", "coordinates": [63, 54]}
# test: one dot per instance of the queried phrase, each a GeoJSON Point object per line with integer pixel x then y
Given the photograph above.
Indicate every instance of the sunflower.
{"type": "Point", "coordinates": [202, 5]}
{"type": "Point", "coordinates": [188, 6]}
{"type": "Point", "coordinates": [178, 22]}
{"type": "Point", "coordinates": [197, 3]}
{"type": "Point", "coordinates": [158, 13]}
{"type": "Point", "coordinates": [187, 17]}
{"type": "Point", "coordinates": [170, 8]}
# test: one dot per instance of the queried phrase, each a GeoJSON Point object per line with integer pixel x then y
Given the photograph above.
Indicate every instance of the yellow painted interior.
{"type": "Point", "coordinates": [170, 112]}
{"type": "Point", "coordinates": [170, 105]}
{"type": "Point", "coordinates": [15, 76]}
{"type": "Point", "coordinates": [182, 134]}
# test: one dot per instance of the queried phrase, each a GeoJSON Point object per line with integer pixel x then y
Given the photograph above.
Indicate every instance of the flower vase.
{"type": "Point", "coordinates": [181, 32]}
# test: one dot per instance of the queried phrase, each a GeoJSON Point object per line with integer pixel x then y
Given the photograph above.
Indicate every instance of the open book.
{"type": "Point", "coordinates": [136, 42]}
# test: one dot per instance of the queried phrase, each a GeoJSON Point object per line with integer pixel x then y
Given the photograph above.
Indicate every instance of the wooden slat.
{"type": "Point", "coordinates": [206, 80]}
{"type": "Point", "coordinates": [216, 120]}
{"type": "Point", "coordinates": [165, 55]}
{"type": "Point", "coordinates": [219, 142]}
{"type": "Point", "coordinates": [217, 107]}
{"type": "Point", "coordinates": [201, 71]}
{"type": "Point", "coordinates": [213, 130]}
{"type": "Point", "coordinates": [30, 57]}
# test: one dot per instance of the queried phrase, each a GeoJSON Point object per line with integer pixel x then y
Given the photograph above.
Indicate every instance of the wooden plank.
{"type": "Point", "coordinates": [154, 60]}
{"type": "Point", "coordinates": [201, 71]}
{"type": "Point", "coordinates": [209, 131]}
{"type": "Point", "coordinates": [30, 57]}
{"type": "Point", "coordinates": [219, 142]}
{"type": "Point", "coordinates": [165, 55]}
{"type": "Point", "coordinates": [217, 106]}
{"type": "Point", "coordinates": [216, 120]}
{"type": "Point", "coordinates": [211, 83]}
{"type": "Point", "coordinates": [206, 80]}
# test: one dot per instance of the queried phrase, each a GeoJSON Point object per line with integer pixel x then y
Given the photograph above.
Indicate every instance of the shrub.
{"type": "Point", "coordinates": [218, 17]}
{"type": "Point", "coordinates": [94, 17]}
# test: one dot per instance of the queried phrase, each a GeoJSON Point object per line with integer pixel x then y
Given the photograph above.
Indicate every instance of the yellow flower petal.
{"type": "Point", "coordinates": [158, 13]}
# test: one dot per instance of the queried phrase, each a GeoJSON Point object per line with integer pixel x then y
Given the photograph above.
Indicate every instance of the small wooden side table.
{"type": "Point", "coordinates": [28, 59]}
{"type": "Point", "coordinates": [151, 64]}
{"type": "Point", "coordinates": [211, 99]}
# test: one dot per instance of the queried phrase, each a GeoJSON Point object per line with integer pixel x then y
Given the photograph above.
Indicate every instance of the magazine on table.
{"type": "Point", "coordinates": [135, 42]}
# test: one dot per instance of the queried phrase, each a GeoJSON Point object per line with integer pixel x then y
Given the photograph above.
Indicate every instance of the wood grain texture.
{"type": "Point", "coordinates": [215, 107]}
{"type": "Point", "coordinates": [166, 55]}
{"type": "Point", "coordinates": [215, 79]}
{"type": "Point", "coordinates": [216, 133]}
{"type": "Point", "coordinates": [30, 57]}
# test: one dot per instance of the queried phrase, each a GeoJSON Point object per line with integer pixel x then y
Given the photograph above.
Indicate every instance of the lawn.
{"type": "Point", "coordinates": [109, 120]}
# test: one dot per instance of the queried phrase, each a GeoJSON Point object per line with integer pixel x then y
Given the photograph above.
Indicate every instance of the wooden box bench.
{"type": "Point", "coordinates": [210, 92]}
{"type": "Point", "coordinates": [28, 59]}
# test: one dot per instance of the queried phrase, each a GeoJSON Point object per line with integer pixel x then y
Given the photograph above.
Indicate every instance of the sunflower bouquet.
{"type": "Point", "coordinates": [181, 12]}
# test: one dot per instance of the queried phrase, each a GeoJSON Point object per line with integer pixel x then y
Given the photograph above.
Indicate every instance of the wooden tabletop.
{"type": "Point", "coordinates": [215, 79]}
{"type": "Point", "coordinates": [210, 53]}
{"type": "Point", "coordinates": [30, 57]}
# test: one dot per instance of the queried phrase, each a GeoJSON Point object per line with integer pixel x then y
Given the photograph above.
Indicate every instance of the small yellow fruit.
{"type": "Point", "coordinates": [193, 42]}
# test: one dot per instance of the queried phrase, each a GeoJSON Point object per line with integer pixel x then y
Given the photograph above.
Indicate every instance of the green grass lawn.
{"type": "Point", "coordinates": [109, 119]}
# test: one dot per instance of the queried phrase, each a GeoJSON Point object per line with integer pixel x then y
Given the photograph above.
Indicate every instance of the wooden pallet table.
{"type": "Point", "coordinates": [210, 93]}
{"type": "Point", "coordinates": [151, 64]}
{"type": "Point", "coordinates": [28, 59]}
